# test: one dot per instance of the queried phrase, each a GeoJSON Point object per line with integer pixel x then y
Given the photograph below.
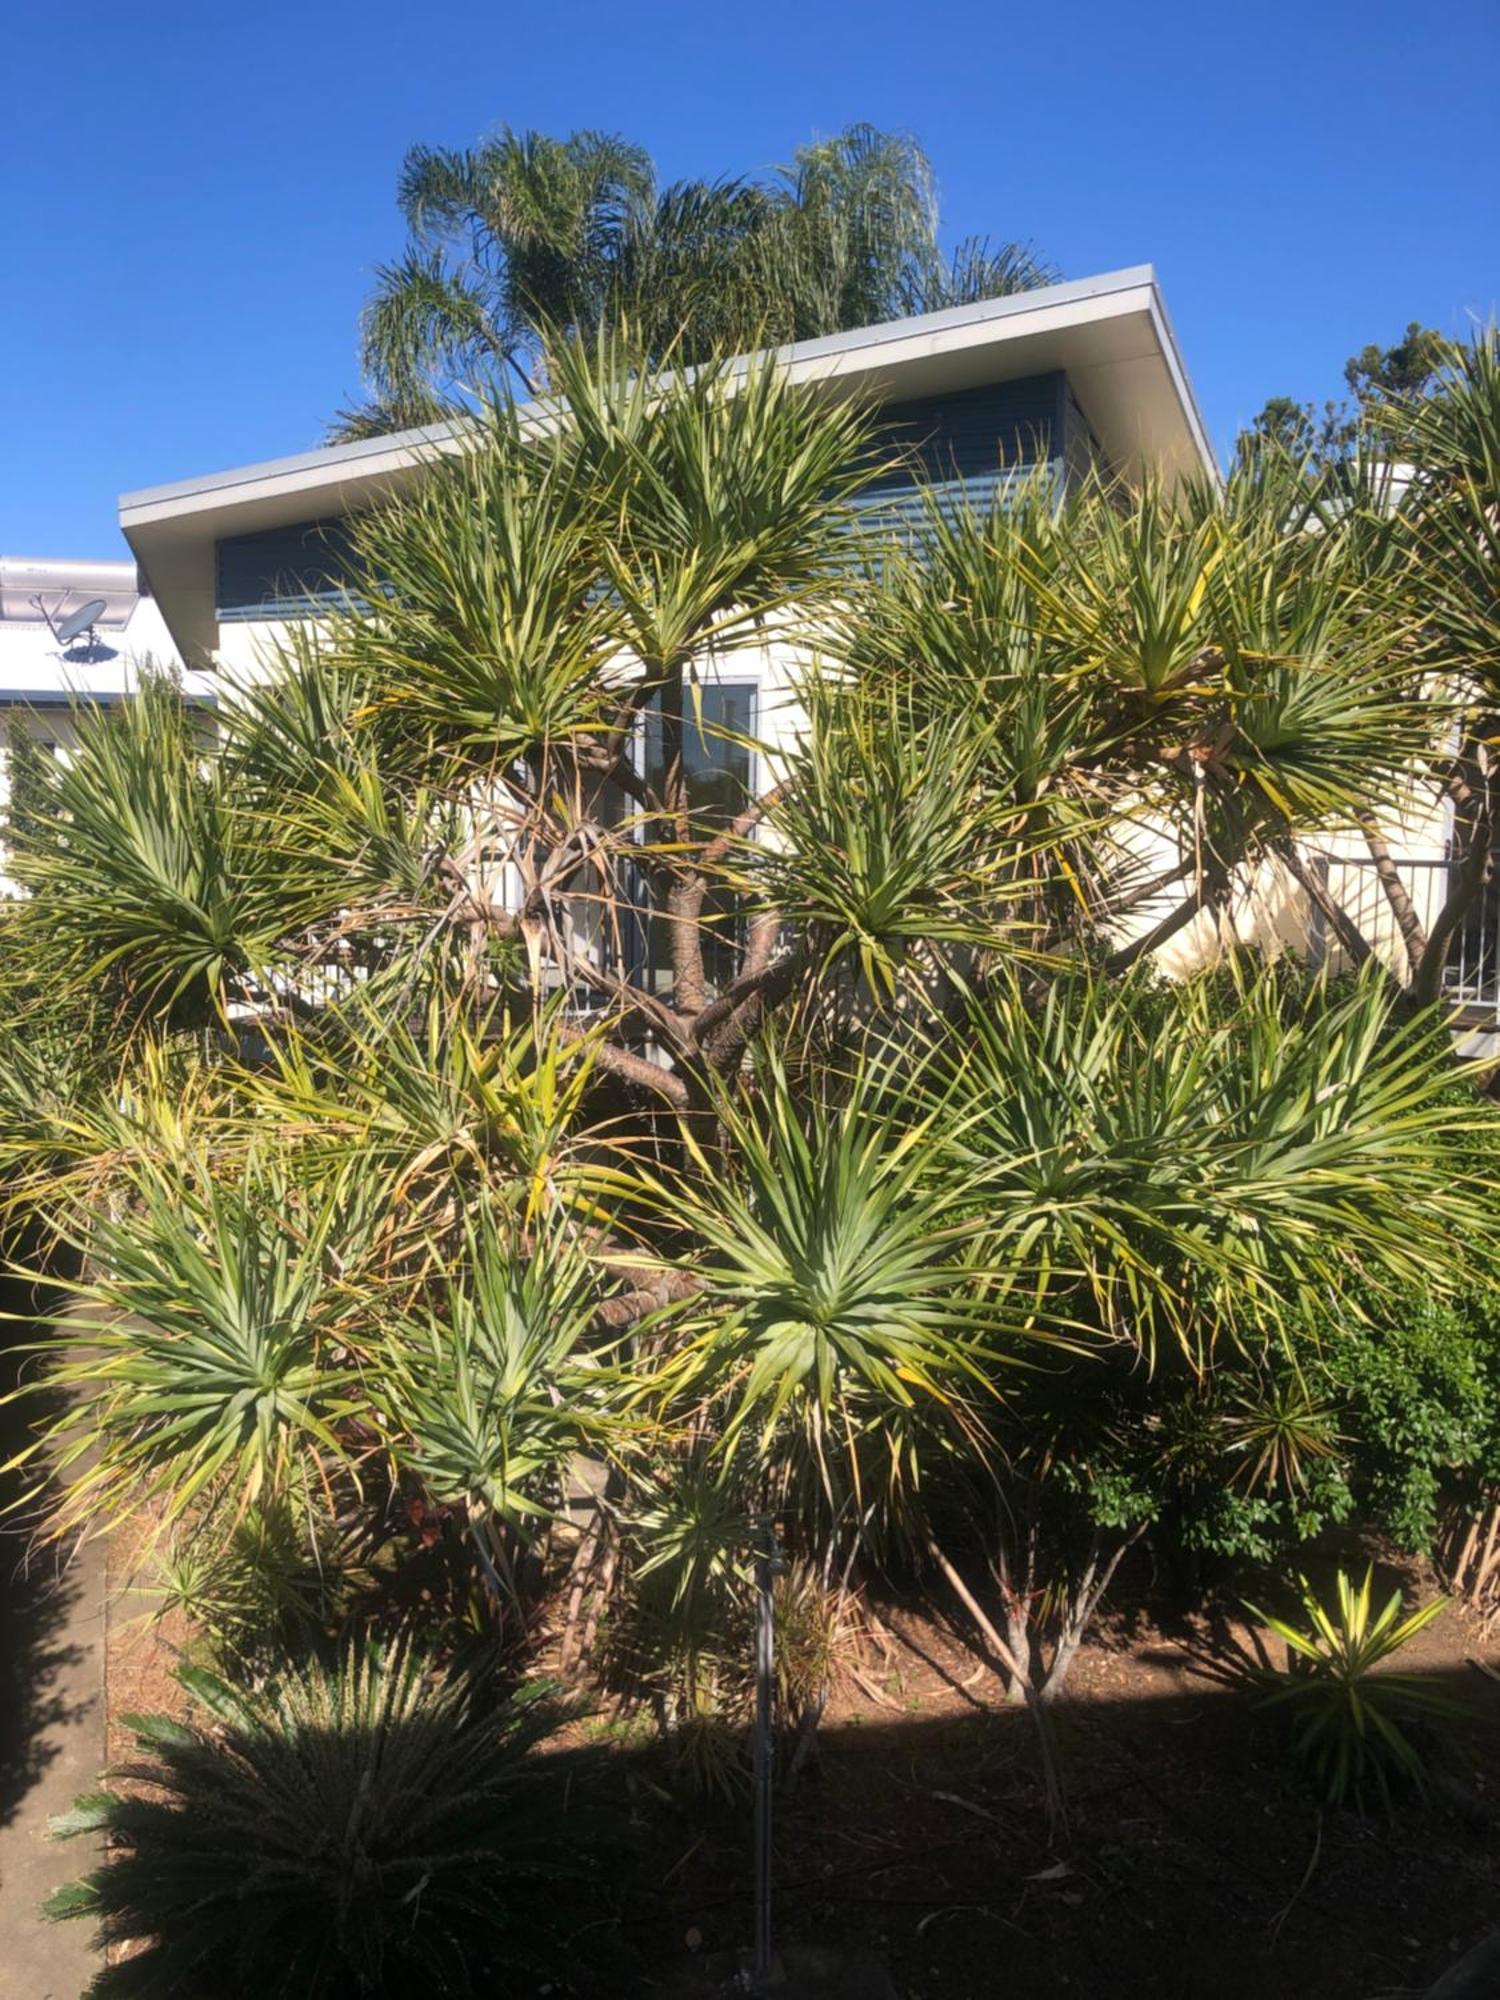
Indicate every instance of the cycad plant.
{"type": "Point", "coordinates": [364, 1827]}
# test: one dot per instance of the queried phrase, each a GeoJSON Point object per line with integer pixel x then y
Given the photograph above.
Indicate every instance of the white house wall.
{"type": "Point", "coordinates": [39, 679]}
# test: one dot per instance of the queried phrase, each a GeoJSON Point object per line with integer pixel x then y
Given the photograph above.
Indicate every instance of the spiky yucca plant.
{"type": "Point", "coordinates": [361, 1828]}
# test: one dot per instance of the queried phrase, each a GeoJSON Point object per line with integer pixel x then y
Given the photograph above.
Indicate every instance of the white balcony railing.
{"type": "Point", "coordinates": [1471, 973]}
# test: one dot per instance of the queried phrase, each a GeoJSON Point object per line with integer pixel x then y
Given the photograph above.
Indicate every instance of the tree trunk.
{"type": "Point", "coordinates": [1474, 825]}
{"type": "Point", "coordinates": [1057, 1811]}
{"type": "Point", "coordinates": [1407, 921]}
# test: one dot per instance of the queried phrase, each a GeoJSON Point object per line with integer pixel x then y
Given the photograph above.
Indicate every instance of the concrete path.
{"type": "Point", "coordinates": [52, 1718]}
{"type": "Point", "coordinates": [52, 1630]}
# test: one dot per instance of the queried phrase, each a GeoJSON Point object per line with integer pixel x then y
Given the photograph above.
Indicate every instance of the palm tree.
{"type": "Point", "coordinates": [526, 236]}
{"type": "Point", "coordinates": [855, 238]}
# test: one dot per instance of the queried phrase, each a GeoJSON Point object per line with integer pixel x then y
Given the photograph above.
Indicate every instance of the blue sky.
{"type": "Point", "coordinates": [195, 194]}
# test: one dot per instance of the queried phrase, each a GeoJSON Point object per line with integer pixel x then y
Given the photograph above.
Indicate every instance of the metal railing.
{"type": "Point", "coordinates": [1471, 972]}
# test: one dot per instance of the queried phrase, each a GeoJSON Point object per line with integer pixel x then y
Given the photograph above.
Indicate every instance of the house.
{"type": "Point", "coordinates": [45, 664]}
{"type": "Point", "coordinates": [1073, 377]}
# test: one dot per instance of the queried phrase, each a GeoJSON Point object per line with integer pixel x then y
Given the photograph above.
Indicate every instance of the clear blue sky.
{"type": "Point", "coordinates": [195, 193]}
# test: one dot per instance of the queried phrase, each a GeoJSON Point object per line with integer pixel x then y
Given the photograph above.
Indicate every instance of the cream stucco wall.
{"type": "Point", "coordinates": [1268, 908]}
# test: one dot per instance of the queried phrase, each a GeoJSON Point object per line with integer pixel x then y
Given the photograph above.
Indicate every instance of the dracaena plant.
{"type": "Point", "coordinates": [437, 1100]}
{"type": "Point", "coordinates": [1348, 1721]}
{"type": "Point", "coordinates": [147, 881]}
{"type": "Point", "coordinates": [406, 1152]}
{"type": "Point", "coordinates": [841, 1325]}
{"type": "Point", "coordinates": [1171, 1180]}
{"type": "Point", "coordinates": [1174, 1161]}
{"type": "Point", "coordinates": [200, 1347]}
{"type": "Point", "coordinates": [892, 851]}
{"type": "Point", "coordinates": [495, 1380]}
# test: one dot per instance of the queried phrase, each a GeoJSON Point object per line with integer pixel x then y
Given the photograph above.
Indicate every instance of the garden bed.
{"type": "Point", "coordinates": [1193, 1865]}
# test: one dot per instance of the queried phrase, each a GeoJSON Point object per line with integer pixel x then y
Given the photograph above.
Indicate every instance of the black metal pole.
{"type": "Point", "coordinates": [765, 1644]}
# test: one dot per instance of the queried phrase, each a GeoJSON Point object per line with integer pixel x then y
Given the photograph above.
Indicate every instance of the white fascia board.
{"type": "Point", "coordinates": [1182, 382]}
{"type": "Point", "coordinates": [1103, 331]}
{"type": "Point", "coordinates": [348, 468]}
{"type": "Point", "coordinates": [329, 467]}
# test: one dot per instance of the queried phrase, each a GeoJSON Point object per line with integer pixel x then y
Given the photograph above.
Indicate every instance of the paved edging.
{"type": "Point", "coordinates": [41, 1960]}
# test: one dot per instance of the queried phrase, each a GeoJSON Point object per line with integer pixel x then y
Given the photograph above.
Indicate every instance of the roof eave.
{"type": "Point", "coordinates": [1103, 319]}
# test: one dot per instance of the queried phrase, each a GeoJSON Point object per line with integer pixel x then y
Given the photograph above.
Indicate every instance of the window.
{"type": "Point", "coordinates": [718, 719]}
{"type": "Point", "coordinates": [282, 572]}
{"type": "Point", "coordinates": [718, 725]}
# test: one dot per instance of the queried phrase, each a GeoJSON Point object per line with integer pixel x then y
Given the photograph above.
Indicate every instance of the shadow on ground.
{"type": "Point", "coordinates": [1192, 1864]}
{"type": "Point", "coordinates": [919, 1852]}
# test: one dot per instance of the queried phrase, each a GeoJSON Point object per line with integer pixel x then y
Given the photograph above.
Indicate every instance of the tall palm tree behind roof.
{"type": "Point", "coordinates": [526, 236]}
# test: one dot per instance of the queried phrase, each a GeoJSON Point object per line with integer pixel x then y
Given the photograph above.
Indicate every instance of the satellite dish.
{"type": "Point", "coordinates": [66, 630]}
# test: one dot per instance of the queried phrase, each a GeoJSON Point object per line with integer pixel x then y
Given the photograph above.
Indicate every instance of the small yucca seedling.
{"type": "Point", "coordinates": [360, 1829]}
{"type": "Point", "coordinates": [1346, 1718]}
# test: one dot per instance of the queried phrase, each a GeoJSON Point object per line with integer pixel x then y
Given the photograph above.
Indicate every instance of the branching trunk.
{"type": "Point", "coordinates": [1016, 1584]}
{"type": "Point", "coordinates": [1211, 889]}
{"type": "Point", "coordinates": [1082, 1605]}
{"type": "Point", "coordinates": [1057, 1811]}
{"type": "Point", "coordinates": [639, 1070]}
{"type": "Point", "coordinates": [1344, 928]}
{"type": "Point", "coordinates": [1389, 876]}
{"type": "Point", "coordinates": [1476, 798]}
{"type": "Point", "coordinates": [625, 1308]}
{"type": "Point", "coordinates": [682, 905]}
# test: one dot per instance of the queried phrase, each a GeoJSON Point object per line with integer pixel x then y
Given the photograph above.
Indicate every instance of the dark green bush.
{"type": "Point", "coordinates": [1421, 1391]}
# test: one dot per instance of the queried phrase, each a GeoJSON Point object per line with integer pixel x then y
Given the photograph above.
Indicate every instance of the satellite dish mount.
{"type": "Point", "coordinates": [68, 630]}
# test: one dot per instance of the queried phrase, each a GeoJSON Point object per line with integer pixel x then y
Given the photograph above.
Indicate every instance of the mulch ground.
{"type": "Point", "coordinates": [1191, 1866]}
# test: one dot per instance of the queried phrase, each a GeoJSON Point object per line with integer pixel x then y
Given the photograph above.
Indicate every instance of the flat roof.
{"type": "Point", "coordinates": [1110, 334]}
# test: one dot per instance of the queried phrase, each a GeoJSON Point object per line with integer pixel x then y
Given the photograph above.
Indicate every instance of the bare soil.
{"type": "Point", "coordinates": [1192, 1863]}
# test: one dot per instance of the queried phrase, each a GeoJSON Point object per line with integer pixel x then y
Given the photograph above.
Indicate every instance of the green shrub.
{"type": "Point", "coordinates": [361, 1828]}
{"type": "Point", "coordinates": [1421, 1392]}
{"type": "Point", "coordinates": [1345, 1717]}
